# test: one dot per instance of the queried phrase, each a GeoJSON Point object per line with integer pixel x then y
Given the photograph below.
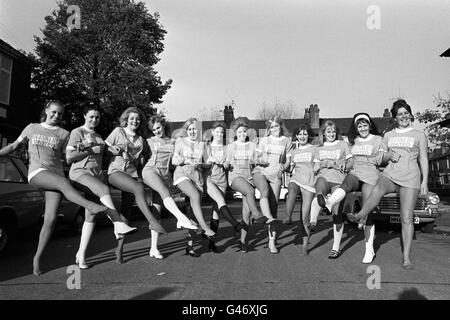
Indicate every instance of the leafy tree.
{"type": "Point", "coordinates": [439, 136]}
{"type": "Point", "coordinates": [108, 61]}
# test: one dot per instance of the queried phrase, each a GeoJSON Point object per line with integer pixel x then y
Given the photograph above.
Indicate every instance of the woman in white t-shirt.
{"type": "Point", "coordinates": [406, 173]}
{"type": "Point", "coordinates": [47, 143]}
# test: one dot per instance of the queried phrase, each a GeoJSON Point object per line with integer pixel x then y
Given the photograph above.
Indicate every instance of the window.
{"type": "Point", "coordinates": [8, 171]}
{"type": "Point", "coordinates": [5, 78]}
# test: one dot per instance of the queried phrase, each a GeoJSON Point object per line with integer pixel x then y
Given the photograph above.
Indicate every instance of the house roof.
{"type": "Point", "coordinates": [446, 53]}
{"type": "Point", "coordinates": [291, 124]}
{"type": "Point", "coordinates": [13, 53]}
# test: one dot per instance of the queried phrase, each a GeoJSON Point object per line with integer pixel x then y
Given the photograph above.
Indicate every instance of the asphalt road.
{"type": "Point", "coordinates": [233, 275]}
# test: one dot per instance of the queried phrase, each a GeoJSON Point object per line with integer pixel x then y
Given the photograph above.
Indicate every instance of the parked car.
{"type": "Point", "coordinates": [22, 205]}
{"type": "Point", "coordinates": [388, 210]}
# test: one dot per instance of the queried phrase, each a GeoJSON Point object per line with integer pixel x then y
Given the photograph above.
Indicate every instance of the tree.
{"type": "Point", "coordinates": [108, 61]}
{"type": "Point", "coordinates": [438, 136]}
{"type": "Point", "coordinates": [285, 110]}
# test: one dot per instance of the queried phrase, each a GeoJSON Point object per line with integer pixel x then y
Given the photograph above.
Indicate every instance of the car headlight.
{"type": "Point", "coordinates": [433, 198]}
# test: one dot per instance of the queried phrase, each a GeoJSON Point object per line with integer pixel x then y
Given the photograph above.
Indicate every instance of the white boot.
{"type": "Point", "coordinates": [86, 233]}
{"type": "Point", "coordinates": [121, 229]}
{"type": "Point", "coordinates": [369, 234]}
{"type": "Point", "coordinates": [314, 213]}
{"type": "Point", "coordinates": [182, 220]}
{"type": "Point", "coordinates": [272, 240]}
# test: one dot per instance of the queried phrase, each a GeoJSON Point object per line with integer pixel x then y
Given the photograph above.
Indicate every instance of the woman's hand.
{"type": "Point", "coordinates": [394, 156]}
{"type": "Point", "coordinates": [115, 150]}
{"type": "Point", "coordinates": [424, 188]}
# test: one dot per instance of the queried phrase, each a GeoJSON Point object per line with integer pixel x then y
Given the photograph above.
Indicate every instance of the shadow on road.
{"type": "Point", "coordinates": [156, 294]}
{"type": "Point", "coordinates": [411, 294]}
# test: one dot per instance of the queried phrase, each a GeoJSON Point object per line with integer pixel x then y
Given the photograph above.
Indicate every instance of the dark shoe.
{"type": "Point", "coordinates": [323, 204]}
{"type": "Point", "coordinates": [243, 247]}
{"type": "Point", "coordinates": [334, 254]}
{"type": "Point", "coordinates": [238, 227]}
{"type": "Point", "coordinates": [191, 252]}
{"type": "Point", "coordinates": [212, 247]}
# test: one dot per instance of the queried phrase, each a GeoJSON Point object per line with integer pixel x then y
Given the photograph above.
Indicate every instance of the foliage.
{"type": "Point", "coordinates": [285, 110]}
{"type": "Point", "coordinates": [108, 61]}
{"type": "Point", "coordinates": [439, 136]}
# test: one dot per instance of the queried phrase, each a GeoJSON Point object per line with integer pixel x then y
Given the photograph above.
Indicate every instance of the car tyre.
{"type": "Point", "coordinates": [4, 237]}
{"type": "Point", "coordinates": [427, 227]}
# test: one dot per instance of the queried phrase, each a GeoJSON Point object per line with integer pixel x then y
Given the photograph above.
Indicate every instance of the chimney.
{"type": "Point", "coordinates": [307, 115]}
{"type": "Point", "coordinates": [386, 113]}
{"type": "Point", "coordinates": [314, 116]}
{"type": "Point", "coordinates": [228, 115]}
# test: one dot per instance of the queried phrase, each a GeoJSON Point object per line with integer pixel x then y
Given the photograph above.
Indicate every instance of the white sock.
{"type": "Point", "coordinates": [314, 213]}
{"type": "Point", "coordinates": [170, 204]}
{"type": "Point", "coordinates": [86, 233]}
{"type": "Point", "coordinates": [154, 240]}
{"type": "Point", "coordinates": [337, 236]}
{"type": "Point", "coordinates": [335, 197]}
{"type": "Point", "coordinates": [369, 235]}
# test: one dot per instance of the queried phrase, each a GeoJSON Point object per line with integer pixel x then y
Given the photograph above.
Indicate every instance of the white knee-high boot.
{"type": "Point", "coordinates": [314, 213]}
{"type": "Point", "coordinates": [183, 221]}
{"type": "Point", "coordinates": [86, 233]}
{"type": "Point", "coordinates": [154, 252]}
{"type": "Point", "coordinates": [335, 198]}
{"type": "Point", "coordinates": [369, 235]}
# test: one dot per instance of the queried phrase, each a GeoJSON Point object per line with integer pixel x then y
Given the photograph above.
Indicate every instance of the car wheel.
{"type": "Point", "coordinates": [77, 225]}
{"type": "Point", "coordinates": [4, 237]}
{"type": "Point", "coordinates": [427, 227]}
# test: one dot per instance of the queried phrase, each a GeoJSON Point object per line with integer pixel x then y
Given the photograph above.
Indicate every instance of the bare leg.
{"type": "Point", "coordinates": [188, 188]}
{"type": "Point", "coordinates": [307, 198]}
{"type": "Point", "coordinates": [263, 187]}
{"type": "Point", "coordinates": [369, 228]}
{"type": "Point", "coordinates": [293, 191]}
{"type": "Point", "coordinates": [52, 200]}
{"type": "Point", "coordinates": [126, 183]}
{"type": "Point", "coordinates": [383, 186]}
{"type": "Point", "coordinates": [52, 181]}
{"type": "Point", "coordinates": [154, 181]}
{"type": "Point", "coordinates": [241, 185]}
{"type": "Point", "coordinates": [408, 199]}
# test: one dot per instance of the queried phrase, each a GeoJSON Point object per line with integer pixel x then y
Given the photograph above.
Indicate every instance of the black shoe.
{"type": "Point", "coordinates": [212, 247]}
{"type": "Point", "coordinates": [243, 247]}
{"type": "Point", "coordinates": [191, 252]}
{"type": "Point", "coordinates": [323, 204]}
{"type": "Point", "coordinates": [334, 254]}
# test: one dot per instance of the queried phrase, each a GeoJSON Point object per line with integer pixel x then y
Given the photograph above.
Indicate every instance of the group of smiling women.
{"type": "Point", "coordinates": [322, 173]}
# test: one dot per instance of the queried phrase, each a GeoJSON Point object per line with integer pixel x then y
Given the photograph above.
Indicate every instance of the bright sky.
{"type": "Point", "coordinates": [307, 51]}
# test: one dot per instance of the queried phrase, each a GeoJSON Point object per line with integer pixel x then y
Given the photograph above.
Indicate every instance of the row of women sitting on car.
{"type": "Point", "coordinates": [333, 166]}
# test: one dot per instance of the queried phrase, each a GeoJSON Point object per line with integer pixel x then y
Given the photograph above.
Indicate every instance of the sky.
{"type": "Point", "coordinates": [306, 51]}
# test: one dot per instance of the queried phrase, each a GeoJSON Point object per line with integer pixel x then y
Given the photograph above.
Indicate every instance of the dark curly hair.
{"type": "Point", "coordinates": [361, 117]}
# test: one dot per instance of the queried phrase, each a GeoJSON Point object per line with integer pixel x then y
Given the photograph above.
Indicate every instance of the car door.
{"type": "Point", "coordinates": [16, 195]}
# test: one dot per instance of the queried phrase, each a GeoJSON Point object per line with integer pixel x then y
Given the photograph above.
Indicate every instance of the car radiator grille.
{"type": "Point", "coordinates": [394, 204]}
